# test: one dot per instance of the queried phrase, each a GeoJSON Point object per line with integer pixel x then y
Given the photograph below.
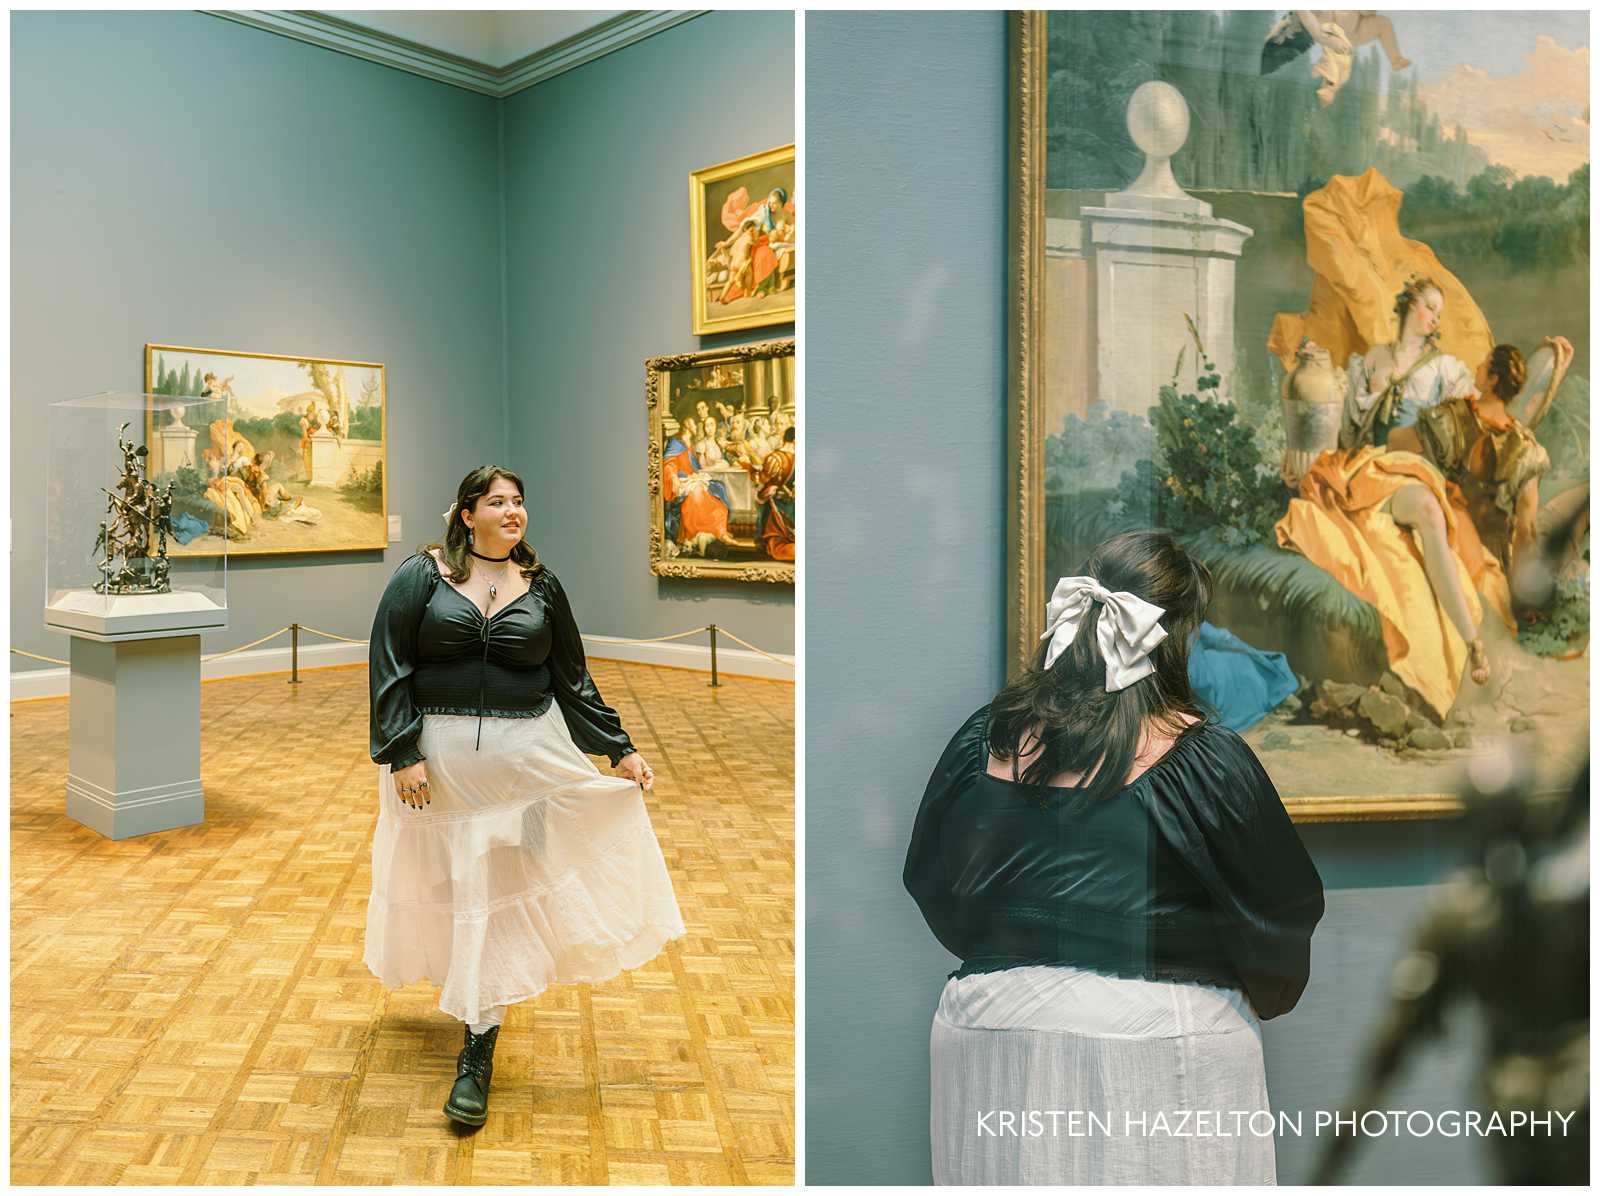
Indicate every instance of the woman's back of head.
{"type": "Point", "coordinates": [1060, 716]}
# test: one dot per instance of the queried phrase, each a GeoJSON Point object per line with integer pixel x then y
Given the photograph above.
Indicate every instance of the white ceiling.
{"type": "Point", "coordinates": [494, 37]}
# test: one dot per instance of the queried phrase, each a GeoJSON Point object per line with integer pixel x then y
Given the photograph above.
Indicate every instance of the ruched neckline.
{"type": "Point", "coordinates": [467, 598]}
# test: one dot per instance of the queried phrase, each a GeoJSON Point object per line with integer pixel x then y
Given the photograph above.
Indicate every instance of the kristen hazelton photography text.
{"type": "Point", "coordinates": [1260, 1123]}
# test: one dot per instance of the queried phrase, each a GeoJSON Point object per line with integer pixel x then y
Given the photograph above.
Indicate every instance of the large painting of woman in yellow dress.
{"type": "Point", "coordinates": [1312, 294]}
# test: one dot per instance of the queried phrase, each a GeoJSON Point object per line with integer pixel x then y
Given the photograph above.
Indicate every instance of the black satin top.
{"type": "Point", "coordinates": [1191, 872]}
{"type": "Point", "coordinates": [432, 651]}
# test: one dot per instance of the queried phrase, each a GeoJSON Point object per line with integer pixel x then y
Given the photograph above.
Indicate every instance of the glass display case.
{"type": "Point", "coordinates": [141, 499]}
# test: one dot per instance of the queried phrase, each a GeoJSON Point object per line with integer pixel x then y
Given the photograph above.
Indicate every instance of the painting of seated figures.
{"type": "Point", "coordinates": [297, 464]}
{"type": "Point", "coordinates": [1316, 299]}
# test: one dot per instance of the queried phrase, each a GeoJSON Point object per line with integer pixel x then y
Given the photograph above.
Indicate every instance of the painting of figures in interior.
{"type": "Point", "coordinates": [723, 469]}
{"type": "Point", "coordinates": [1311, 291]}
{"type": "Point", "coordinates": [298, 465]}
{"type": "Point", "coordinates": [746, 248]}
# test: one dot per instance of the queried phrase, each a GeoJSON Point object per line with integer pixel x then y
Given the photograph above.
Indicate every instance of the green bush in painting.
{"type": "Point", "coordinates": [1208, 471]}
{"type": "Point", "coordinates": [1530, 223]}
{"type": "Point", "coordinates": [364, 487]}
{"type": "Point", "coordinates": [1198, 464]}
{"type": "Point", "coordinates": [187, 482]}
{"type": "Point", "coordinates": [1090, 451]}
{"type": "Point", "coordinates": [366, 423]}
{"type": "Point", "coordinates": [1565, 626]}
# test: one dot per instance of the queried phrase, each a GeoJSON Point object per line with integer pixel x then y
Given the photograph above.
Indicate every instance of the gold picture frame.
{"type": "Point", "coordinates": [725, 512]}
{"type": "Point", "coordinates": [330, 490]}
{"type": "Point", "coordinates": [1025, 533]}
{"type": "Point", "coordinates": [745, 243]}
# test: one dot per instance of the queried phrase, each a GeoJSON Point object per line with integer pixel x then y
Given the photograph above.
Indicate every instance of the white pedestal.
{"type": "Point", "coordinates": [324, 458]}
{"type": "Point", "coordinates": [134, 737]}
{"type": "Point", "coordinates": [134, 717]}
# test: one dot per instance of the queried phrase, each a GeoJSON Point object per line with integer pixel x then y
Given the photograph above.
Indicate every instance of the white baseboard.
{"type": "Point", "coordinates": [736, 662]}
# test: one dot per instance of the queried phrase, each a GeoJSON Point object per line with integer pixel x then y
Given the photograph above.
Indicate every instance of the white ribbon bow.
{"type": "Point", "coordinates": [1128, 631]}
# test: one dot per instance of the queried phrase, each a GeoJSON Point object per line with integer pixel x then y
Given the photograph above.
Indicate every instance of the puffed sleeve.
{"type": "Point", "coordinates": [1456, 378]}
{"type": "Point", "coordinates": [1358, 401]}
{"type": "Point", "coordinates": [391, 658]}
{"type": "Point", "coordinates": [1222, 813]}
{"type": "Point", "coordinates": [595, 726]}
{"type": "Point", "coordinates": [925, 876]}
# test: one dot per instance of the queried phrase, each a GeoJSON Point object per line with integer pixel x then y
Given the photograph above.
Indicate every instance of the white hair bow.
{"type": "Point", "coordinates": [1129, 628]}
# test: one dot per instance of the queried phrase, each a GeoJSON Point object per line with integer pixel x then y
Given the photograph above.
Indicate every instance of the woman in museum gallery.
{"type": "Point", "coordinates": [1126, 894]}
{"type": "Point", "coordinates": [503, 860]}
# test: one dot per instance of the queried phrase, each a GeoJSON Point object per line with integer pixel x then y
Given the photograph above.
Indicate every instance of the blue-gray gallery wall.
{"type": "Point", "coordinates": [597, 280]}
{"type": "Point", "coordinates": [185, 179]}
{"type": "Point", "coordinates": [906, 162]}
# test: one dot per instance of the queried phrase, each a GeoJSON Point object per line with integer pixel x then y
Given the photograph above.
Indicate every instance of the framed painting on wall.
{"type": "Point", "coordinates": [722, 467]}
{"type": "Point", "coordinates": [300, 464]}
{"type": "Point", "coordinates": [1260, 275]}
{"type": "Point", "coordinates": [746, 246]}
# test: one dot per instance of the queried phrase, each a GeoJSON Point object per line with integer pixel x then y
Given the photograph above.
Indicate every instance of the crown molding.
{"type": "Point", "coordinates": [335, 33]}
{"type": "Point", "coordinates": [613, 34]}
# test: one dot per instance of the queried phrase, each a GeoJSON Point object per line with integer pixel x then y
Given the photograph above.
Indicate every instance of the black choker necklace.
{"type": "Point", "coordinates": [481, 557]}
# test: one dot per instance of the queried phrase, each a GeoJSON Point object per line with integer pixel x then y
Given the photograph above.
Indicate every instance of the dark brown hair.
{"type": "Point", "coordinates": [1066, 708]}
{"type": "Point", "coordinates": [1508, 369]}
{"type": "Point", "coordinates": [458, 564]}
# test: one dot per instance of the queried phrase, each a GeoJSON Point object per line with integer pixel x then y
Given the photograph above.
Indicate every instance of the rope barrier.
{"type": "Point", "coordinates": [753, 648]}
{"type": "Point", "coordinates": [660, 638]}
{"type": "Point", "coordinates": [242, 647]}
{"type": "Point", "coordinates": [36, 656]}
{"type": "Point", "coordinates": [328, 634]}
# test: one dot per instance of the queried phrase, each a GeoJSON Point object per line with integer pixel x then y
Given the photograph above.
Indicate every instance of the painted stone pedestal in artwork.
{"type": "Point", "coordinates": [1122, 276]}
{"type": "Point", "coordinates": [177, 443]}
{"type": "Point", "coordinates": [1159, 255]}
{"type": "Point", "coordinates": [133, 735]}
{"type": "Point", "coordinates": [325, 458]}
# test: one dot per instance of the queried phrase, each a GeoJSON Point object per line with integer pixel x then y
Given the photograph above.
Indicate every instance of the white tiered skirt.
{"type": "Point", "coordinates": [1059, 1075]}
{"type": "Point", "coordinates": [529, 868]}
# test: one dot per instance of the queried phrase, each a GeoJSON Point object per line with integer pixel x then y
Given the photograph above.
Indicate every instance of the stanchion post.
{"type": "Point", "coordinates": [294, 654]}
{"type": "Point", "coordinates": [712, 628]}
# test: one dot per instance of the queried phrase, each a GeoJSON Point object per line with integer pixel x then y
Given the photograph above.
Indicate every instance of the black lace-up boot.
{"type": "Point", "coordinates": [469, 1099]}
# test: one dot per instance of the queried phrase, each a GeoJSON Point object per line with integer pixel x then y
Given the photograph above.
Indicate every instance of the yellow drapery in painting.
{"type": "Point", "coordinates": [1337, 525]}
{"type": "Point", "coordinates": [1353, 243]}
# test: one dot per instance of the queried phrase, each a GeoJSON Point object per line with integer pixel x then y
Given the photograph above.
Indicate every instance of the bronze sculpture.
{"type": "Point", "coordinates": [136, 511]}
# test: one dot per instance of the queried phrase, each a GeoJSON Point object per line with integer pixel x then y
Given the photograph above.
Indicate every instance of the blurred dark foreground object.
{"type": "Point", "coordinates": [1512, 934]}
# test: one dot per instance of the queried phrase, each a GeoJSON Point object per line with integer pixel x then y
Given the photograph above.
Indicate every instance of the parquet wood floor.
{"type": "Point", "coordinates": [191, 1007]}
